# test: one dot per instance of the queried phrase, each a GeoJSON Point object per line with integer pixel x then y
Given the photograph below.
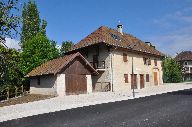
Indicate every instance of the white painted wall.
{"type": "Point", "coordinates": [46, 87]}
{"type": "Point", "coordinates": [89, 84]}
{"type": "Point", "coordinates": [60, 83]}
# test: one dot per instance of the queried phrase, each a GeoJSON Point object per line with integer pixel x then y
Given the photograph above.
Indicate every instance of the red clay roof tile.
{"type": "Point", "coordinates": [55, 65]}
{"type": "Point", "coordinates": [113, 37]}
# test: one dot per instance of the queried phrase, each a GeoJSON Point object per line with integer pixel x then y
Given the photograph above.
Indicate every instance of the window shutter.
{"type": "Point", "coordinates": [145, 60]}
{"type": "Point", "coordinates": [155, 62]}
{"type": "Point", "coordinates": [125, 57]}
{"type": "Point", "coordinates": [149, 61]}
{"type": "Point", "coordinates": [126, 78]}
{"type": "Point", "coordinates": [147, 77]}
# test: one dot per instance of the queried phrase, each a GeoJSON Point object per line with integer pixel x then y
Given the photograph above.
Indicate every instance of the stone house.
{"type": "Point", "coordinates": [113, 54]}
{"type": "Point", "coordinates": [70, 74]}
{"type": "Point", "coordinates": [105, 60]}
{"type": "Point", "coordinates": [185, 60]}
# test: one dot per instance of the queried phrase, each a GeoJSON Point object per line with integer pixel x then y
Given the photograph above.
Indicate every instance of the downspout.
{"type": "Point", "coordinates": [111, 70]}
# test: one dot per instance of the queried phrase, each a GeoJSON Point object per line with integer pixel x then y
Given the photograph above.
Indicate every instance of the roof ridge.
{"type": "Point", "coordinates": [112, 37]}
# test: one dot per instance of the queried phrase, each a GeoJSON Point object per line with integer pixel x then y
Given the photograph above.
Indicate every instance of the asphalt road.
{"type": "Point", "coordinates": [166, 110]}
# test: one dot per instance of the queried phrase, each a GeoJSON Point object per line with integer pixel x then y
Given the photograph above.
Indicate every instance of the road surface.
{"type": "Point", "coordinates": [166, 110]}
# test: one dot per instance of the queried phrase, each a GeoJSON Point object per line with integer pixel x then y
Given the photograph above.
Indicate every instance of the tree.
{"type": "Point", "coordinates": [31, 22]}
{"type": "Point", "coordinates": [171, 71]}
{"type": "Point", "coordinates": [37, 51]}
{"type": "Point", "coordinates": [9, 22]}
{"type": "Point", "coordinates": [10, 74]}
{"type": "Point", "coordinates": [66, 46]}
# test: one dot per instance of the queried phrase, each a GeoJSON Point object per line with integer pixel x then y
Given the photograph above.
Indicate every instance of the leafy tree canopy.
{"type": "Point", "coordinates": [37, 51]}
{"type": "Point", "coordinates": [30, 22]}
{"type": "Point", "coordinates": [66, 46]}
{"type": "Point", "coordinates": [9, 22]}
{"type": "Point", "coordinates": [171, 71]}
{"type": "Point", "coordinates": [10, 73]}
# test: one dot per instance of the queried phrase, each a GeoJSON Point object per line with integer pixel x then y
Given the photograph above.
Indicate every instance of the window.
{"type": "Point", "coordinates": [126, 78]}
{"type": "Point", "coordinates": [149, 61]}
{"type": "Point", "coordinates": [38, 81]}
{"type": "Point", "coordinates": [145, 60]}
{"type": "Point", "coordinates": [125, 57]}
{"type": "Point", "coordinates": [155, 62]}
{"type": "Point", "coordinates": [147, 77]}
{"type": "Point", "coordinates": [116, 37]}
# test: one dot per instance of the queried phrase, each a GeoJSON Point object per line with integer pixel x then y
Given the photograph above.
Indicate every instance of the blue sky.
{"type": "Point", "coordinates": [165, 23]}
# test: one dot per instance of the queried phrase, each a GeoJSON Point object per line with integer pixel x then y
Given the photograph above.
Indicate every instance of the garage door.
{"type": "Point", "coordinates": [75, 84]}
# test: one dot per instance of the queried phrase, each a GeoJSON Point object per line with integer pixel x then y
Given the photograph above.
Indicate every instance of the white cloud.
{"type": "Point", "coordinates": [12, 43]}
{"type": "Point", "coordinates": [175, 43]}
{"type": "Point", "coordinates": [177, 34]}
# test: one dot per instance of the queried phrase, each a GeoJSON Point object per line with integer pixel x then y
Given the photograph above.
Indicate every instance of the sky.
{"type": "Point", "coordinates": [167, 24]}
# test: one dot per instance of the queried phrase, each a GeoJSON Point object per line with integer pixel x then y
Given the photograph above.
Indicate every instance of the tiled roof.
{"type": "Point", "coordinates": [113, 37]}
{"type": "Point", "coordinates": [185, 55]}
{"type": "Point", "coordinates": [55, 65]}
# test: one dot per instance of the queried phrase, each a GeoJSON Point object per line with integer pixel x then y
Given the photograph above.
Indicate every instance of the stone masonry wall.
{"type": "Point", "coordinates": [120, 68]}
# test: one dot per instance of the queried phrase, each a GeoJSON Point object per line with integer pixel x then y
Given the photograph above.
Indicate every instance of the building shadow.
{"type": "Point", "coordinates": [182, 92]}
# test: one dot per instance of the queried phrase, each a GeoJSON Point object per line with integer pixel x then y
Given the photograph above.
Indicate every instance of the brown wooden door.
{"type": "Point", "coordinates": [75, 84]}
{"type": "Point", "coordinates": [134, 81]}
{"type": "Point", "coordinates": [142, 82]}
{"type": "Point", "coordinates": [155, 79]}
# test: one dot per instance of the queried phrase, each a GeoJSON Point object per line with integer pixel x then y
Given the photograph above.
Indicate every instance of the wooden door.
{"type": "Point", "coordinates": [142, 82]}
{"type": "Point", "coordinates": [75, 84]}
{"type": "Point", "coordinates": [155, 79]}
{"type": "Point", "coordinates": [134, 81]}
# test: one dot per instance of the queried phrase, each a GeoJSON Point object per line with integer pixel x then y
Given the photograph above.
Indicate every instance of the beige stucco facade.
{"type": "Point", "coordinates": [115, 68]}
{"type": "Point", "coordinates": [120, 68]}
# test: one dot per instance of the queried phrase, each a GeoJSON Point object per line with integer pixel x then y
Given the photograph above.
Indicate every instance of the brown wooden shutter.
{"type": "Point", "coordinates": [147, 77]}
{"type": "Point", "coordinates": [149, 61]}
{"type": "Point", "coordinates": [125, 57]}
{"type": "Point", "coordinates": [155, 62]}
{"type": "Point", "coordinates": [126, 78]}
{"type": "Point", "coordinates": [145, 60]}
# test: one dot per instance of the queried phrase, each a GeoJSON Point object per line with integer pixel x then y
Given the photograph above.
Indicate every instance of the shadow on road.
{"type": "Point", "coordinates": [182, 92]}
